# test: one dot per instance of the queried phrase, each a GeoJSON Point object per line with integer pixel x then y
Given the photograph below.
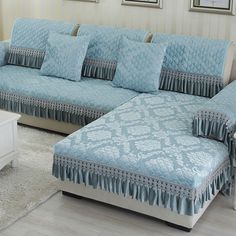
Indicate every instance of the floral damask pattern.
{"type": "Point", "coordinates": [137, 138]}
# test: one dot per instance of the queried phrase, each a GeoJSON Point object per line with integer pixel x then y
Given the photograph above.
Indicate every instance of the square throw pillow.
{"type": "Point", "coordinates": [65, 56]}
{"type": "Point", "coordinates": [139, 66]}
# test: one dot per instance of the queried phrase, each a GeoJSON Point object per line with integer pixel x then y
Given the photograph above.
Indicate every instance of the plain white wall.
{"type": "Point", "coordinates": [173, 18]}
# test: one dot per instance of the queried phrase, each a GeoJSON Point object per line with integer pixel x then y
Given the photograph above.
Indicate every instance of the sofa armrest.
{"type": "Point", "coordinates": [217, 119]}
{"type": "Point", "coordinates": [4, 48]}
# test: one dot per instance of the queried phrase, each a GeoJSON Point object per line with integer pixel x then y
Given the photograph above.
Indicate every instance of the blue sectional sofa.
{"type": "Point", "coordinates": [138, 151]}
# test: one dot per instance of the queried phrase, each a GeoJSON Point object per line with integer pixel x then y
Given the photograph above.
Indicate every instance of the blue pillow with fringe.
{"type": "Point", "coordinates": [217, 119]}
{"type": "Point", "coordinates": [29, 39]}
{"type": "Point", "coordinates": [139, 66]}
{"type": "Point", "coordinates": [102, 55]}
{"type": "Point", "coordinates": [193, 65]}
{"type": "Point", "coordinates": [65, 56]}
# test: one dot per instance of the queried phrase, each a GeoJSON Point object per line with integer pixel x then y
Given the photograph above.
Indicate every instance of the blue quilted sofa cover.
{"type": "Point", "coordinates": [102, 54]}
{"type": "Point", "coordinates": [29, 38]}
{"type": "Point", "coordinates": [193, 65]}
{"type": "Point", "coordinates": [23, 89]}
{"type": "Point", "coordinates": [143, 145]}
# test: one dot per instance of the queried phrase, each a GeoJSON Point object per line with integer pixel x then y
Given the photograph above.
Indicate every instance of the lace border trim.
{"type": "Point", "coordinates": [217, 117]}
{"type": "Point", "coordinates": [101, 63]}
{"type": "Point", "coordinates": [150, 182]}
{"type": "Point", "coordinates": [26, 52]}
{"type": "Point", "coordinates": [51, 105]}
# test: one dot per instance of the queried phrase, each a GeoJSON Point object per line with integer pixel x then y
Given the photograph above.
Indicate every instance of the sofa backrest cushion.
{"type": "Point", "coordinates": [29, 39]}
{"type": "Point", "coordinates": [102, 54]}
{"type": "Point", "coordinates": [194, 65]}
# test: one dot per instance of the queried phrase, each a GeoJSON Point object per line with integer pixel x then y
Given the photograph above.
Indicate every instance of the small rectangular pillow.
{"type": "Point", "coordinates": [29, 39]}
{"type": "Point", "coordinates": [217, 119]}
{"type": "Point", "coordinates": [65, 56]}
{"type": "Point", "coordinates": [139, 66]}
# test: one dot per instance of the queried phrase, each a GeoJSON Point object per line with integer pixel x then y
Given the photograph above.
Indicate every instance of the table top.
{"type": "Point", "coordinates": [8, 117]}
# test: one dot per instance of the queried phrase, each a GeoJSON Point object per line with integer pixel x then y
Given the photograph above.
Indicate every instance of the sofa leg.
{"type": "Point", "coordinates": [67, 194]}
{"type": "Point", "coordinates": [188, 230]}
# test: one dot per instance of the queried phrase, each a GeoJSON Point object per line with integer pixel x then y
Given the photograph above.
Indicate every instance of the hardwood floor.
{"type": "Point", "coordinates": [64, 216]}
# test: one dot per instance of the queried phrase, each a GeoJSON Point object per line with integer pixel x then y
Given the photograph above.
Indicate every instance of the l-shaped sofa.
{"type": "Point", "coordinates": [166, 153]}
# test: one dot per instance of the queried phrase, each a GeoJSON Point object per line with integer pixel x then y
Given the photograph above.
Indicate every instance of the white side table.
{"type": "Point", "coordinates": [235, 183]}
{"type": "Point", "coordinates": [8, 138]}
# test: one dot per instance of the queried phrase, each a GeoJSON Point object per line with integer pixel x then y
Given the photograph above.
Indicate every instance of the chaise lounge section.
{"type": "Point", "coordinates": [145, 151]}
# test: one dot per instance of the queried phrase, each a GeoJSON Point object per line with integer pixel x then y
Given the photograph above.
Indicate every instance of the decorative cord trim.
{"type": "Point", "coordinates": [103, 63]}
{"type": "Point", "coordinates": [171, 188]}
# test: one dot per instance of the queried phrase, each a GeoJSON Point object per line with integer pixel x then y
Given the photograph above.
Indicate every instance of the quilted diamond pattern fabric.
{"type": "Point", "coordinates": [148, 136]}
{"type": "Point", "coordinates": [194, 54]}
{"type": "Point", "coordinates": [105, 40]}
{"type": "Point", "coordinates": [65, 56]}
{"type": "Point", "coordinates": [4, 47]}
{"type": "Point", "coordinates": [139, 66]}
{"type": "Point", "coordinates": [89, 94]}
{"type": "Point", "coordinates": [193, 65]}
{"type": "Point", "coordinates": [33, 33]}
{"type": "Point", "coordinates": [104, 47]}
{"type": "Point", "coordinates": [29, 39]}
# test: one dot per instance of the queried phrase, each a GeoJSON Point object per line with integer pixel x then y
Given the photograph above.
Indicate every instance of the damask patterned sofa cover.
{"type": "Point", "coordinates": [145, 150]}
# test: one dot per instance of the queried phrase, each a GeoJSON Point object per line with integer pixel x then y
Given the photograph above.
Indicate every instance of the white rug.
{"type": "Point", "coordinates": [31, 183]}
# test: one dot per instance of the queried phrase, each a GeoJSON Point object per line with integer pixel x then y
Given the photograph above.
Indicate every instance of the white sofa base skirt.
{"type": "Point", "coordinates": [48, 124]}
{"type": "Point", "coordinates": [164, 214]}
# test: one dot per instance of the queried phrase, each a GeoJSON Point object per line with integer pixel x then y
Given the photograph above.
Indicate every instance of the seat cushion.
{"type": "Point", "coordinates": [145, 149]}
{"type": "Point", "coordinates": [25, 90]}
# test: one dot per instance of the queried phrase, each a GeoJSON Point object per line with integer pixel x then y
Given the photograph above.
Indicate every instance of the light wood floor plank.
{"type": "Point", "coordinates": [64, 216]}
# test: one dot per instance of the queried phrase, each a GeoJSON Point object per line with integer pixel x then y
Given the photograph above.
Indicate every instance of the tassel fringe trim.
{"type": "Point", "coordinates": [184, 201]}
{"type": "Point", "coordinates": [216, 126]}
{"type": "Point", "coordinates": [194, 84]}
{"type": "Point", "coordinates": [49, 110]}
